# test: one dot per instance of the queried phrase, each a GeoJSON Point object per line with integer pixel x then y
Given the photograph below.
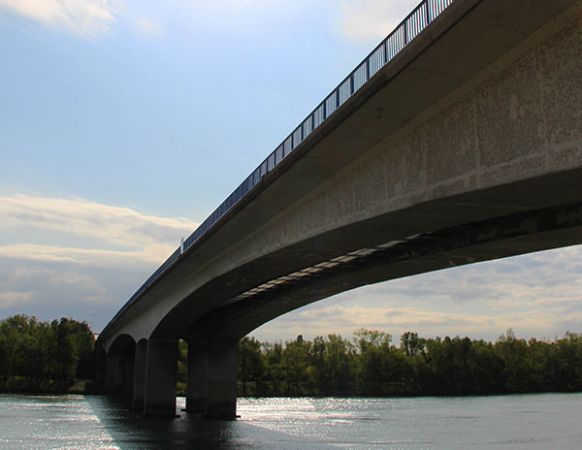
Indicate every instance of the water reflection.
{"type": "Point", "coordinates": [130, 431]}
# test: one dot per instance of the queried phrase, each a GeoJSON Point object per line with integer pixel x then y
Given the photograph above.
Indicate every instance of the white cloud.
{"type": "Point", "coordinates": [85, 18]}
{"type": "Point", "coordinates": [104, 231]}
{"type": "Point", "coordinates": [93, 257]}
{"type": "Point", "coordinates": [148, 28]}
{"type": "Point", "coordinates": [368, 21]}
{"type": "Point", "coordinates": [74, 257]}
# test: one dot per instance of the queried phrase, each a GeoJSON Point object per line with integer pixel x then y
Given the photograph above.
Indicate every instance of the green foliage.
{"type": "Point", "coordinates": [39, 356]}
{"type": "Point", "coordinates": [250, 364]}
{"type": "Point", "coordinates": [369, 365]}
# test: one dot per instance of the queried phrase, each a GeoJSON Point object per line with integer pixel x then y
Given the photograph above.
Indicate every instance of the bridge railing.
{"type": "Point", "coordinates": [402, 35]}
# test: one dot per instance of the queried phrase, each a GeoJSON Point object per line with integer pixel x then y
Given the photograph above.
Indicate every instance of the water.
{"type": "Point", "coordinates": [548, 421]}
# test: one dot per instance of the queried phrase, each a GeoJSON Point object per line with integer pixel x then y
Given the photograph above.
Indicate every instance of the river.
{"type": "Point", "coordinates": [545, 421]}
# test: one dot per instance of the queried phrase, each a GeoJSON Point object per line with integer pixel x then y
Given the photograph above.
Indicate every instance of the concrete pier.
{"type": "Point", "coordinates": [160, 377]}
{"type": "Point", "coordinates": [139, 375]}
{"type": "Point", "coordinates": [221, 388]}
{"type": "Point", "coordinates": [196, 390]}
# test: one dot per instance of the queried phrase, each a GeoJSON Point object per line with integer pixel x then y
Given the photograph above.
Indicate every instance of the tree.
{"type": "Point", "coordinates": [297, 372]}
{"type": "Point", "coordinates": [250, 362]}
{"type": "Point", "coordinates": [34, 354]}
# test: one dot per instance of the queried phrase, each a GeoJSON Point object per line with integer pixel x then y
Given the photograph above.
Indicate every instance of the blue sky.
{"type": "Point", "coordinates": [124, 123]}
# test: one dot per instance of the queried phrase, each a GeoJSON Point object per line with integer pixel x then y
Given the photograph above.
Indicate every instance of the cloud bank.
{"type": "Point", "coordinates": [103, 231]}
{"type": "Point", "coordinates": [74, 257]}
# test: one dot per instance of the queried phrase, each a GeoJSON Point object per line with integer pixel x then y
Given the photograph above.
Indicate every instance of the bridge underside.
{"type": "Point", "coordinates": [147, 371]}
{"type": "Point", "coordinates": [501, 237]}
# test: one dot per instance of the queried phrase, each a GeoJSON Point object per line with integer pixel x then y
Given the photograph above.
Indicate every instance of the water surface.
{"type": "Point", "coordinates": [547, 421]}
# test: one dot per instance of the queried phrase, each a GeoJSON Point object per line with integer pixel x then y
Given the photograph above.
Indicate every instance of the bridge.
{"type": "Point", "coordinates": [458, 139]}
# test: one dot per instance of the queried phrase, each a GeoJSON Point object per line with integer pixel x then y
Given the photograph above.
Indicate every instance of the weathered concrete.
{"type": "Point", "coordinates": [476, 123]}
{"type": "Point", "coordinates": [197, 386]}
{"type": "Point", "coordinates": [221, 387]}
{"type": "Point", "coordinates": [160, 377]}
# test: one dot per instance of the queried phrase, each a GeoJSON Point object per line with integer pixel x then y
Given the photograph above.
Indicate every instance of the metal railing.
{"type": "Point", "coordinates": [402, 35]}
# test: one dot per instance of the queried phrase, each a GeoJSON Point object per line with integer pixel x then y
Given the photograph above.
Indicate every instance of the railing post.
{"type": "Point", "coordinates": [351, 83]}
{"type": "Point", "coordinates": [427, 11]}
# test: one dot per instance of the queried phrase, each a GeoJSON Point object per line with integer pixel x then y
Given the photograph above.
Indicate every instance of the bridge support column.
{"type": "Point", "coordinates": [197, 376]}
{"type": "Point", "coordinates": [100, 366]}
{"type": "Point", "coordinates": [222, 371]}
{"type": "Point", "coordinates": [160, 377]}
{"type": "Point", "coordinates": [139, 381]}
{"type": "Point", "coordinates": [113, 371]}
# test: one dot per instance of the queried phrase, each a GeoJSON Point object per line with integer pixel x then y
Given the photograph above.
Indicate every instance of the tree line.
{"type": "Point", "coordinates": [50, 356]}
{"type": "Point", "coordinates": [371, 365]}
{"type": "Point", "coordinates": [40, 356]}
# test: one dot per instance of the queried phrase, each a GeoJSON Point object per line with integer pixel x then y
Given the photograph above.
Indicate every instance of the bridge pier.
{"type": "Point", "coordinates": [160, 377]}
{"type": "Point", "coordinates": [119, 366]}
{"type": "Point", "coordinates": [100, 365]}
{"type": "Point", "coordinates": [221, 385]}
{"type": "Point", "coordinates": [113, 371]}
{"type": "Point", "coordinates": [139, 381]}
{"type": "Point", "coordinates": [197, 376]}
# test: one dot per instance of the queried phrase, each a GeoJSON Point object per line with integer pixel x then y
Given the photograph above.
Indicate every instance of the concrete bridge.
{"type": "Point", "coordinates": [457, 140]}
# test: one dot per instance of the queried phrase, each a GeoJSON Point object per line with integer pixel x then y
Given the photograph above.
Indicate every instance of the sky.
{"type": "Point", "coordinates": [124, 123]}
